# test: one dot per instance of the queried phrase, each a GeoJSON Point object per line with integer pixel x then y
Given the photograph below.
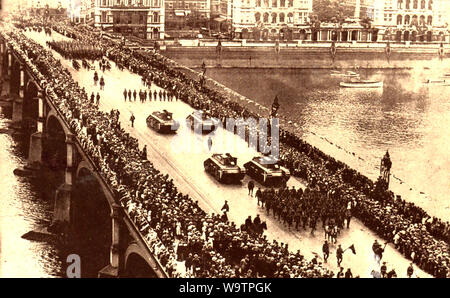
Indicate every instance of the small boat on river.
{"type": "Point", "coordinates": [348, 74]}
{"type": "Point", "coordinates": [362, 84]}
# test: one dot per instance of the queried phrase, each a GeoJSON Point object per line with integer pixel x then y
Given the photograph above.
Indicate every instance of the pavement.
{"type": "Point", "coordinates": [182, 155]}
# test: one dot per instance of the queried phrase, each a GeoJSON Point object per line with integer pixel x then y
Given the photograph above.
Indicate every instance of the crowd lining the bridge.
{"type": "Point", "coordinates": [167, 216]}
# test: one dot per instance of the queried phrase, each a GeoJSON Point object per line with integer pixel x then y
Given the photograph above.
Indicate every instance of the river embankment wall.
{"type": "Point", "coordinates": [307, 57]}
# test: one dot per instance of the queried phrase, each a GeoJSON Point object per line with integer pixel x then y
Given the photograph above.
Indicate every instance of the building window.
{"type": "Point", "coordinates": [257, 17]}
{"type": "Point", "coordinates": [258, 3]}
{"type": "Point", "coordinates": [399, 20]}
{"type": "Point", "coordinates": [408, 4]}
{"type": "Point", "coordinates": [266, 3]}
{"type": "Point", "coordinates": [290, 17]}
{"type": "Point", "coordinates": [290, 3]}
{"type": "Point", "coordinates": [415, 4]}
{"type": "Point", "coordinates": [281, 17]}
{"type": "Point", "coordinates": [400, 4]}
{"type": "Point", "coordinates": [430, 20]}
{"type": "Point", "coordinates": [430, 5]}
{"type": "Point", "coordinates": [407, 19]}
{"type": "Point", "coordinates": [274, 18]}
{"type": "Point", "coordinates": [282, 3]}
{"type": "Point", "coordinates": [274, 3]}
{"type": "Point", "coordinates": [266, 17]}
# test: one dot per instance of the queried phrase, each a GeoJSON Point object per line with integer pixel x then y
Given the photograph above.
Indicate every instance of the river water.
{"type": "Point", "coordinates": [25, 207]}
{"type": "Point", "coordinates": [409, 118]}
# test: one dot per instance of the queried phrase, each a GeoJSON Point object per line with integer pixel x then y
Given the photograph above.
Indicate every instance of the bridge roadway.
{"type": "Point", "coordinates": [180, 157]}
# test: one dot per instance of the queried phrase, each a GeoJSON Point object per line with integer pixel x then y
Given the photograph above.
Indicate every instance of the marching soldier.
{"type": "Point", "coordinates": [144, 152]}
{"type": "Point", "coordinates": [348, 273]}
{"type": "Point", "coordinates": [326, 251]}
{"type": "Point", "coordinates": [102, 83]}
{"type": "Point", "coordinates": [410, 270]}
{"type": "Point", "coordinates": [225, 207]}
{"type": "Point", "coordinates": [339, 255]}
{"type": "Point", "coordinates": [132, 118]}
{"type": "Point", "coordinates": [95, 78]}
{"type": "Point", "coordinates": [251, 186]}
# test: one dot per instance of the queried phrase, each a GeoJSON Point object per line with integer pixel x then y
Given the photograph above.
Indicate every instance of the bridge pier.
{"type": "Point", "coordinates": [113, 269]}
{"type": "Point", "coordinates": [63, 197]}
{"type": "Point", "coordinates": [17, 111]}
{"type": "Point", "coordinates": [8, 65]}
{"type": "Point", "coordinates": [35, 150]}
{"type": "Point", "coordinates": [4, 61]}
{"type": "Point", "coordinates": [16, 91]}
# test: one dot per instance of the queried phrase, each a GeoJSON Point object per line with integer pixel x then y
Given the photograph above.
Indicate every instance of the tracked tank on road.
{"type": "Point", "coordinates": [224, 168]}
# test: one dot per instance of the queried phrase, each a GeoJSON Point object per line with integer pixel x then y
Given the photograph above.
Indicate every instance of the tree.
{"type": "Point", "coordinates": [366, 23]}
{"type": "Point", "coordinates": [332, 10]}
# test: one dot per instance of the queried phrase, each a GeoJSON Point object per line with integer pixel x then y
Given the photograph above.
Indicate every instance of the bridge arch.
{"type": "Point", "coordinates": [91, 221]}
{"type": "Point", "coordinates": [137, 263]}
{"type": "Point", "coordinates": [30, 107]}
{"type": "Point", "coordinates": [15, 77]}
{"type": "Point", "coordinates": [84, 167]}
{"type": "Point", "coordinates": [55, 148]}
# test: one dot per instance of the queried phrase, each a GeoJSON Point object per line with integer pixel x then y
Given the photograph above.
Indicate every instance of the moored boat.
{"type": "Point", "coordinates": [435, 81]}
{"type": "Point", "coordinates": [362, 84]}
{"type": "Point", "coordinates": [348, 74]}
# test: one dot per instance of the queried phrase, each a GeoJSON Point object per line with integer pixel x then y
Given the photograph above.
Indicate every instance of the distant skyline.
{"type": "Point", "coordinates": [51, 3]}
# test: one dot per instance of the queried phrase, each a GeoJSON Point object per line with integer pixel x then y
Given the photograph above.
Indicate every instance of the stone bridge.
{"type": "Point", "coordinates": [83, 199]}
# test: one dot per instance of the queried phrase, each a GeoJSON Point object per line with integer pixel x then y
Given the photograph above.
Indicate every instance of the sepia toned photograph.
{"type": "Point", "coordinates": [202, 140]}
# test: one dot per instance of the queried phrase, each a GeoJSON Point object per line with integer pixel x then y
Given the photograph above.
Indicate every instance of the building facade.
{"type": "Point", "coordinates": [269, 19]}
{"type": "Point", "coordinates": [221, 14]}
{"type": "Point", "coordinates": [141, 18]}
{"type": "Point", "coordinates": [412, 20]}
{"type": "Point", "coordinates": [81, 11]}
{"type": "Point", "coordinates": [411, 12]}
{"type": "Point", "coordinates": [182, 12]}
